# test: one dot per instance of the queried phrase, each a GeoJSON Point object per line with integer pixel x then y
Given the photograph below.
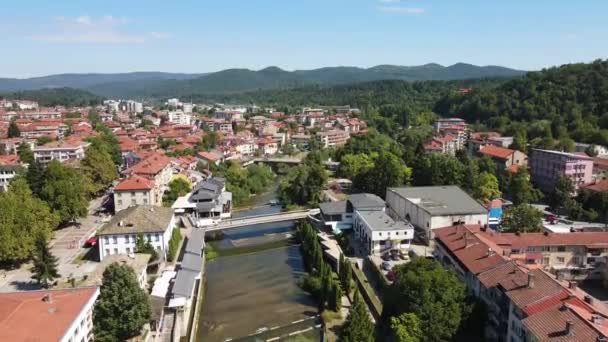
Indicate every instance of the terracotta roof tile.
{"type": "Point", "coordinates": [496, 151]}
{"type": "Point", "coordinates": [135, 182]}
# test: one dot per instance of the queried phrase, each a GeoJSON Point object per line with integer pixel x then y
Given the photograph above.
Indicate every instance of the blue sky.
{"type": "Point", "coordinates": [46, 37]}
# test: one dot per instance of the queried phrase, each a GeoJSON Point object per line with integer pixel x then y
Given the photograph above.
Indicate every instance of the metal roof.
{"type": "Point", "coordinates": [184, 283]}
{"type": "Point", "coordinates": [365, 201]}
{"type": "Point", "coordinates": [380, 221]}
{"type": "Point", "coordinates": [333, 208]}
{"type": "Point", "coordinates": [441, 200]}
{"type": "Point", "coordinates": [196, 242]}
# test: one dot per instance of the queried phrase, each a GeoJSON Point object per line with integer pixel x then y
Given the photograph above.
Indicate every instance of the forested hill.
{"type": "Point", "coordinates": [569, 99]}
{"type": "Point", "coordinates": [56, 97]}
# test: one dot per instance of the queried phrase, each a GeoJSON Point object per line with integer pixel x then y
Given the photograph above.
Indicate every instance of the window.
{"type": "Point", "coordinates": [115, 250]}
{"type": "Point", "coordinates": [560, 260]}
{"type": "Point", "coordinates": [561, 248]}
{"type": "Point", "coordinates": [546, 261]}
{"type": "Point", "coordinates": [106, 240]}
{"type": "Point", "coordinates": [114, 239]}
{"type": "Point", "coordinates": [133, 201]}
{"type": "Point", "coordinates": [126, 238]}
{"type": "Point", "coordinates": [107, 251]}
{"type": "Point", "coordinates": [119, 202]}
{"type": "Point", "coordinates": [128, 250]}
{"type": "Point", "coordinates": [156, 237]}
{"type": "Point", "coordinates": [149, 237]}
{"type": "Point", "coordinates": [132, 193]}
{"type": "Point", "coordinates": [545, 248]}
{"type": "Point", "coordinates": [145, 201]}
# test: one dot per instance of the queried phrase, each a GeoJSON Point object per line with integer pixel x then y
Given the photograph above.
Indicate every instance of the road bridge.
{"type": "Point", "coordinates": [259, 219]}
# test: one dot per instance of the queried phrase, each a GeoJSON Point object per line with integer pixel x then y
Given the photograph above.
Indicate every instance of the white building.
{"type": "Point", "coordinates": [154, 223]}
{"type": "Point", "coordinates": [431, 207]}
{"type": "Point", "coordinates": [63, 151]}
{"type": "Point", "coordinates": [209, 202]}
{"type": "Point", "coordinates": [340, 215]}
{"type": "Point", "coordinates": [380, 233]}
{"type": "Point", "coordinates": [187, 107]}
{"type": "Point", "coordinates": [175, 103]}
{"type": "Point", "coordinates": [179, 117]}
{"type": "Point", "coordinates": [48, 315]}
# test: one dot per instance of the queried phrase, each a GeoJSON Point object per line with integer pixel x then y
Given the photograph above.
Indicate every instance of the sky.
{"type": "Point", "coordinates": [41, 37]}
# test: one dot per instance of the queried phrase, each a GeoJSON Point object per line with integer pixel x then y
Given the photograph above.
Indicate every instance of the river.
{"type": "Point", "coordinates": [255, 292]}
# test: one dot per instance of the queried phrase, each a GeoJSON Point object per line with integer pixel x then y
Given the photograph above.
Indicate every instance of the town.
{"type": "Point", "coordinates": [151, 183]}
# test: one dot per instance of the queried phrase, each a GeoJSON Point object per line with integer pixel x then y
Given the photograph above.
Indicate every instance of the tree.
{"type": "Point", "coordinates": [521, 189]}
{"type": "Point", "coordinates": [13, 130]}
{"type": "Point", "coordinates": [486, 188]}
{"type": "Point", "coordinates": [176, 238]}
{"type": "Point", "coordinates": [43, 140]}
{"type": "Point", "coordinates": [521, 218]}
{"type": "Point", "coordinates": [435, 295]}
{"type": "Point", "coordinates": [358, 327]}
{"type": "Point", "coordinates": [98, 165]}
{"type": "Point", "coordinates": [388, 170]}
{"type": "Point", "coordinates": [44, 270]}
{"type": "Point", "coordinates": [22, 219]}
{"type": "Point", "coordinates": [303, 185]}
{"type": "Point", "coordinates": [25, 153]}
{"type": "Point", "coordinates": [145, 247]}
{"type": "Point", "coordinates": [352, 165]}
{"type": "Point", "coordinates": [406, 328]}
{"type": "Point", "coordinates": [486, 164]}
{"type": "Point", "coordinates": [561, 197]}
{"type": "Point", "coordinates": [335, 298]}
{"type": "Point", "coordinates": [122, 308]}
{"type": "Point", "coordinates": [65, 192]}
{"type": "Point", "coordinates": [591, 151]}
{"type": "Point", "coordinates": [177, 187]}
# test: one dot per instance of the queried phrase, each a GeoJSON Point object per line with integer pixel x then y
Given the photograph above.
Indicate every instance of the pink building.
{"type": "Point", "coordinates": [547, 166]}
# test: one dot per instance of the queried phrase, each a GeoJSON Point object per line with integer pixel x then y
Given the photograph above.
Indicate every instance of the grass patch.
{"type": "Point", "coordinates": [330, 316]}
{"type": "Point", "coordinates": [210, 252]}
{"type": "Point", "coordinates": [251, 249]}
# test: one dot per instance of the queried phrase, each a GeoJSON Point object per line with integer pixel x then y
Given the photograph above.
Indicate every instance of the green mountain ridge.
{"type": "Point", "coordinates": [155, 85]}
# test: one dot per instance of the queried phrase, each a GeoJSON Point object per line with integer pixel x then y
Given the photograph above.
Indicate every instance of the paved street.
{"type": "Point", "coordinates": [66, 245]}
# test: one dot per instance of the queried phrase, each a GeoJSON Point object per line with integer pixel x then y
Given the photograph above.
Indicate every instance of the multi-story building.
{"type": "Point", "coordinates": [332, 138]}
{"type": "Point", "coordinates": [547, 166]}
{"type": "Point", "coordinates": [119, 235]}
{"type": "Point", "coordinates": [380, 233]}
{"type": "Point", "coordinates": [432, 207]}
{"type": "Point", "coordinates": [340, 215]}
{"type": "Point", "coordinates": [135, 190]}
{"type": "Point", "coordinates": [62, 151]}
{"type": "Point", "coordinates": [267, 146]}
{"type": "Point", "coordinates": [441, 144]}
{"type": "Point", "coordinates": [48, 315]}
{"type": "Point", "coordinates": [504, 157]}
{"type": "Point", "coordinates": [300, 140]}
{"type": "Point", "coordinates": [179, 117]}
{"type": "Point", "coordinates": [39, 115]}
{"type": "Point", "coordinates": [454, 127]}
{"type": "Point", "coordinates": [41, 129]}
{"type": "Point", "coordinates": [156, 167]}
{"type": "Point", "coordinates": [9, 166]}
{"type": "Point", "coordinates": [10, 145]}
{"type": "Point", "coordinates": [518, 297]}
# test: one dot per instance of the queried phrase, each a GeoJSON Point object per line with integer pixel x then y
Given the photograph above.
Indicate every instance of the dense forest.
{"type": "Point", "coordinates": [68, 97]}
{"type": "Point", "coordinates": [571, 100]}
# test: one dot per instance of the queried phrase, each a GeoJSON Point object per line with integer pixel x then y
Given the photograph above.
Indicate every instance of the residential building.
{"type": "Point", "coordinates": [267, 146]}
{"type": "Point", "coordinates": [332, 138]}
{"type": "Point", "coordinates": [504, 157]}
{"type": "Point", "coordinates": [156, 167]}
{"type": "Point", "coordinates": [301, 140]}
{"type": "Point", "coordinates": [455, 127]}
{"type": "Point", "coordinates": [154, 223]}
{"type": "Point", "coordinates": [137, 261]}
{"type": "Point", "coordinates": [40, 129]}
{"type": "Point", "coordinates": [432, 207]}
{"type": "Point", "coordinates": [62, 151]}
{"type": "Point", "coordinates": [441, 144]}
{"type": "Point", "coordinates": [37, 115]}
{"type": "Point", "coordinates": [547, 166]}
{"type": "Point", "coordinates": [520, 299]}
{"type": "Point", "coordinates": [48, 315]}
{"type": "Point", "coordinates": [208, 203]}
{"type": "Point", "coordinates": [10, 145]}
{"type": "Point", "coordinates": [135, 190]}
{"type": "Point", "coordinates": [9, 166]}
{"type": "Point", "coordinates": [179, 117]}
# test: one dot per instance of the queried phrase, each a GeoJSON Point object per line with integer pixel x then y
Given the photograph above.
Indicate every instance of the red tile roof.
{"type": "Point", "coordinates": [152, 165]}
{"type": "Point", "coordinates": [135, 182]}
{"type": "Point", "coordinates": [9, 160]}
{"type": "Point", "coordinates": [208, 156]}
{"type": "Point", "coordinates": [25, 316]}
{"type": "Point", "coordinates": [496, 151]}
{"type": "Point", "coordinates": [523, 240]}
{"type": "Point", "coordinates": [474, 255]}
{"type": "Point", "coordinates": [600, 163]}
{"type": "Point", "coordinates": [599, 186]}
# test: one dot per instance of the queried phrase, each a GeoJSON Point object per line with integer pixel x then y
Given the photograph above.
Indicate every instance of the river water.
{"type": "Point", "coordinates": [254, 292]}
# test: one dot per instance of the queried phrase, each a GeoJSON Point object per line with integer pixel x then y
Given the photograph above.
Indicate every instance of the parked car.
{"type": "Point", "coordinates": [386, 257]}
{"type": "Point", "coordinates": [386, 266]}
{"type": "Point", "coordinates": [395, 256]}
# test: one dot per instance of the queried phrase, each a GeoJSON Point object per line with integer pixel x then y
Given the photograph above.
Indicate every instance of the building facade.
{"type": "Point", "coordinates": [547, 166]}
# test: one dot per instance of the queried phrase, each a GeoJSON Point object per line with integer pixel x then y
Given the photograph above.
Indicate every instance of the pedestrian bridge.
{"type": "Point", "coordinates": [259, 219]}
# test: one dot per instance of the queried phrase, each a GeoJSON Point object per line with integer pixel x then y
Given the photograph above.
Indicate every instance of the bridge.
{"type": "Point", "coordinates": [259, 219]}
{"type": "Point", "coordinates": [290, 160]}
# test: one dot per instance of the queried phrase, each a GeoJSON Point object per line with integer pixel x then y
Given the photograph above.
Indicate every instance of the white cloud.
{"type": "Point", "coordinates": [402, 9]}
{"type": "Point", "coordinates": [390, 1]}
{"type": "Point", "coordinates": [160, 35]}
{"type": "Point", "coordinates": [84, 20]}
{"type": "Point", "coordinates": [102, 30]}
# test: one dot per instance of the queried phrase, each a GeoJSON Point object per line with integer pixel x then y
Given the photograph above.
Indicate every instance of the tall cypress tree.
{"type": "Point", "coordinates": [44, 270]}
{"type": "Point", "coordinates": [358, 327]}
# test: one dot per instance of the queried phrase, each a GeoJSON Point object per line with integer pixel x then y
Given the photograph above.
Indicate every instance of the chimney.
{"type": "Point", "coordinates": [589, 300]}
{"type": "Point", "coordinates": [597, 319]}
{"type": "Point", "coordinates": [569, 325]}
{"type": "Point", "coordinates": [490, 252]}
{"type": "Point", "coordinates": [121, 223]}
{"type": "Point", "coordinates": [572, 285]}
{"type": "Point", "coordinates": [47, 298]}
{"type": "Point", "coordinates": [530, 280]}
